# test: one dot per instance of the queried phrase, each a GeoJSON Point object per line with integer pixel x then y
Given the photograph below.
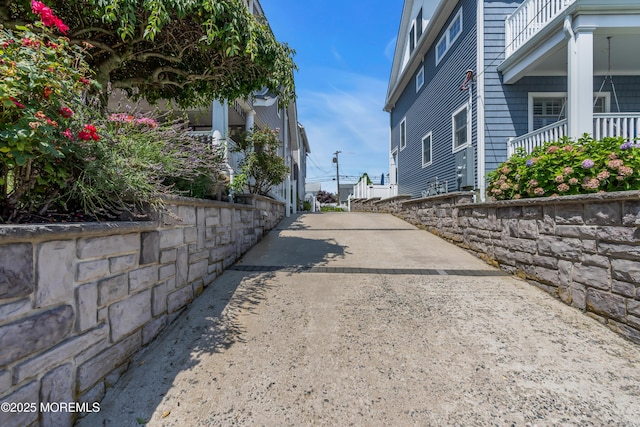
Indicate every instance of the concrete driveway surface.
{"type": "Point", "coordinates": [355, 319]}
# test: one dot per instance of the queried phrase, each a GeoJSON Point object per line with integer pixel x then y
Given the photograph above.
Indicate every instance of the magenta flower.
{"type": "Point", "coordinates": [68, 134]}
{"type": "Point", "coordinates": [66, 112]}
{"type": "Point", "coordinates": [47, 16]}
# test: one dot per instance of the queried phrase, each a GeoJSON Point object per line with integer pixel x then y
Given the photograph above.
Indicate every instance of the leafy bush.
{"type": "Point", "coordinates": [59, 153]}
{"type": "Point", "coordinates": [139, 160]}
{"type": "Point", "coordinates": [331, 209]}
{"type": "Point", "coordinates": [43, 82]}
{"type": "Point", "coordinates": [261, 167]}
{"type": "Point", "coordinates": [564, 167]}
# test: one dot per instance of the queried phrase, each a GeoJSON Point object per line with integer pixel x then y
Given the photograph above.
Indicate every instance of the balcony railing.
{"type": "Point", "coordinates": [625, 125]}
{"type": "Point", "coordinates": [528, 19]}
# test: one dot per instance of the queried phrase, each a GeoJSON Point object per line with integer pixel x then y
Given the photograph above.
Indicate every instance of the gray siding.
{"type": "Point", "coordinates": [430, 110]}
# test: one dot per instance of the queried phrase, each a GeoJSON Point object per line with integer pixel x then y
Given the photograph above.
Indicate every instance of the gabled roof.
{"type": "Point", "coordinates": [403, 68]}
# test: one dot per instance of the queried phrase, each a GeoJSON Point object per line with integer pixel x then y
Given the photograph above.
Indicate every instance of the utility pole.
{"type": "Point", "coordinates": [335, 160]}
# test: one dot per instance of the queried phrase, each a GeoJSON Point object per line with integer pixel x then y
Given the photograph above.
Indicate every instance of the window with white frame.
{"type": "Point", "coordinates": [546, 108]}
{"type": "Point", "coordinates": [449, 37]}
{"type": "Point", "coordinates": [419, 25]}
{"type": "Point", "coordinates": [403, 133]}
{"type": "Point", "coordinates": [420, 79]}
{"type": "Point", "coordinates": [427, 150]}
{"type": "Point", "coordinates": [461, 128]}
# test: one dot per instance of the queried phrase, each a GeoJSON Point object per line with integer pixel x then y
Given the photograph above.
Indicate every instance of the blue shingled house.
{"type": "Point", "coordinates": [474, 79]}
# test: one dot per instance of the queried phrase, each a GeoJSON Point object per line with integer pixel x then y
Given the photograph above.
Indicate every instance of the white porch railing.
{"type": "Point", "coordinates": [528, 19]}
{"type": "Point", "coordinates": [625, 125]}
{"type": "Point", "coordinates": [531, 140]}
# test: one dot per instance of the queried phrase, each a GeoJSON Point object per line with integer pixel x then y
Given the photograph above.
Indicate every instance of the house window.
{"type": "Point", "coordinates": [420, 79]}
{"type": "Point", "coordinates": [449, 37]}
{"type": "Point", "coordinates": [403, 133]}
{"type": "Point", "coordinates": [412, 38]}
{"type": "Point", "coordinates": [426, 150]}
{"type": "Point", "coordinates": [546, 108]}
{"type": "Point", "coordinates": [419, 25]}
{"type": "Point", "coordinates": [461, 128]}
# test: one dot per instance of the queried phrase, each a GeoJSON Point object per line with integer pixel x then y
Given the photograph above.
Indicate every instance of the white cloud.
{"type": "Point", "coordinates": [346, 115]}
{"type": "Point", "coordinates": [390, 49]}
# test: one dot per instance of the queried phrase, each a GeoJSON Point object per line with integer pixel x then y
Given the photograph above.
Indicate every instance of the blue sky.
{"type": "Point", "coordinates": [344, 53]}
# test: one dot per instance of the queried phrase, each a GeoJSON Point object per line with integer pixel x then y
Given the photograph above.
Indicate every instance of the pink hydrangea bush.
{"type": "Point", "coordinates": [565, 167]}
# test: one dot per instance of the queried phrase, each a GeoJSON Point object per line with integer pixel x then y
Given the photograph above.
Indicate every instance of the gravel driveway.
{"type": "Point", "coordinates": [342, 319]}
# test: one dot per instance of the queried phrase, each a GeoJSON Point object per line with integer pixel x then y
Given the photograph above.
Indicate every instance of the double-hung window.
{"type": "Point", "coordinates": [449, 37]}
{"type": "Point", "coordinates": [403, 133]}
{"type": "Point", "coordinates": [420, 79]}
{"type": "Point", "coordinates": [546, 108]}
{"type": "Point", "coordinates": [427, 150]}
{"type": "Point", "coordinates": [460, 127]}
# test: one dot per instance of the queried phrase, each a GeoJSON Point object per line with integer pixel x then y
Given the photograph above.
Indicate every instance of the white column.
{"type": "Point", "coordinates": [294, 195]}
{"type": "Point", "coordinates": [250, 120]}
{"type": "Point", "coordinates": [580, 82]}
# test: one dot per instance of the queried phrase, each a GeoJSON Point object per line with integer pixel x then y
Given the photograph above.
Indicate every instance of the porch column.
{"type": "Point", "coordinates": [580, 82]}
{"type": "Point", "coordinates": [249, 120]}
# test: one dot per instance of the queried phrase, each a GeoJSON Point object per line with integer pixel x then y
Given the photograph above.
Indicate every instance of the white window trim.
{"type": "Point", "coordinates": [430, 136]}
{"type": "Point", "coordinates": [455, 149]}
{"type": "Point", "coordinates": [532, 95]}
{"type": "Point", "coordinates": [445, 36]}
{"type": "Point", "coordinates": [403, 122]}
{"type": "Point", "coordinates": [419, 83]}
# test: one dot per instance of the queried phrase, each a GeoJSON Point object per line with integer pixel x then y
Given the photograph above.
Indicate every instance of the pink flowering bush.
{"type": "Point", "coordinates": [44, 79]}
{"type": "Point", "coordinates": [565, 167]}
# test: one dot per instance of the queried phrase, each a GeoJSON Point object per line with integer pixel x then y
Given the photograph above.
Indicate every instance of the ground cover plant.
{"type": "Point", "coordinates": [566, 167]}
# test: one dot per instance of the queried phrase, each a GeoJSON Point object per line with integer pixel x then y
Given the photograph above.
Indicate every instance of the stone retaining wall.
{"type": "Point", "coordinates": [77, 301]}
{"type": "Point", "coordinates": [583, 249]}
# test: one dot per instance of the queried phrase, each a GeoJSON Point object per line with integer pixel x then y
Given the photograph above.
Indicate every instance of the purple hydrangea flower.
{"type": "Point", "coordinates": [530, 162]}
{"type": "Point", "coordinates": [626, 146]}
{"type": "Point", "coordinates": [587, 164]}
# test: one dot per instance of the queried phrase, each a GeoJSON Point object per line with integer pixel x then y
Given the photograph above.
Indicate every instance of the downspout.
{"type": "Point", "coordinates": [480, 120]}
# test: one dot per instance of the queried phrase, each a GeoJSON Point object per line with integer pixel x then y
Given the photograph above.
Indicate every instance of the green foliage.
{"type": "Point", "coordinates": [331, 209]}
{"type": "Point", "coordinates": [365, 176]}
{"type": "Point", "coordinates": [565, 167]}
{"type": "Point", "coordinates": [59, 152]}
{"type": "Point", "coordinates": [261, 167]}
{"type": "Point", "coordinates": [43, 82]}
{"type": "Point", "coordinates": [190, 51]}
{"type": "Point", "coordinates": [306, 205]}
{"type": "Point", "coordinates": [138, 161]}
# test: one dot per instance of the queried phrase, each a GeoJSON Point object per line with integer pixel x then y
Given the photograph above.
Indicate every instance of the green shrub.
{"type": "Point", "coordinates": [44, 79]}
{"type": "Point", "coordinates": [564, 168]}
{"type": "Point", "coordinates": [331, 209]}
{"type": "Point", "coordinates": [261, 167]}
{"type": "Point", "coordinates": [138, 161]}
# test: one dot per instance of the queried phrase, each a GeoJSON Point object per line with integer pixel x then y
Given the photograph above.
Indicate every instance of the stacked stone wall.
{"type": "Point", "coordinates": [583, 249]}
{"type": "Point", "coordinates": [77, 301]}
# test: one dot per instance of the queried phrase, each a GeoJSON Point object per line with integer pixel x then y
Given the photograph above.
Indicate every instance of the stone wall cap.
{"type": "Point", "coordinates": [578, 198]}
{"type": "Point", "coordinates": [394, 198]}
{"type": "Point", "coordinates": [20, 232]}
{"type": "Point", "coordinates": [451, 195]}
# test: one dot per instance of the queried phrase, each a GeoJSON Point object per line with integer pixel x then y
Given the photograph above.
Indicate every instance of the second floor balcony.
{"type": "Point", "coordinates": [529, 19]}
